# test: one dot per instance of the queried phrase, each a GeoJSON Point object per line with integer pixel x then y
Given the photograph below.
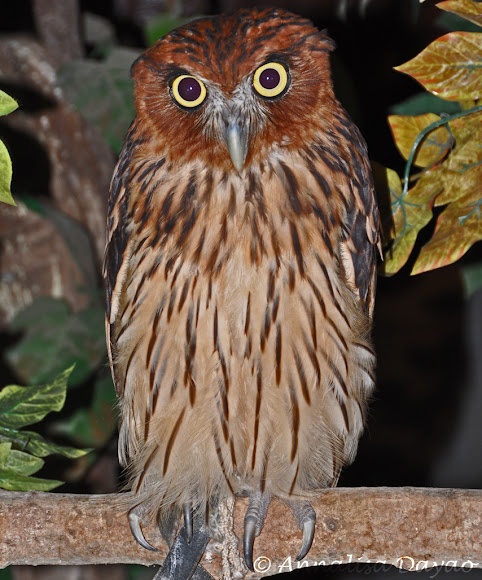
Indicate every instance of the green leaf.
{"type": "Point", "coordinates": [425, 103]}
{"type": "Point", "coordinates": [20, 451]}
{"type": "Point", "coordinates": [5, 176]}
{"type": "Point", "coordinates": [7, 104]}
{"type": "Point", "coordinates": [5, 448]}
{"type": "Point", "coordinates": [18, 461]}
{"type": "Point", "coordinates": [20, 406]}
{"type": "Point", "coordinates": [23, 463]}
{"type": "Point", "coordinates": [12, 481]}
{"type": "Point", "coordinates": [54, 336]}
{"type": "Point", "coordinates": [37, 445]}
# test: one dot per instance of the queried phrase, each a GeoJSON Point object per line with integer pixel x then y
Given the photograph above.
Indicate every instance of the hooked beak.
{"type": "Point", "coordinates": [236, 136]}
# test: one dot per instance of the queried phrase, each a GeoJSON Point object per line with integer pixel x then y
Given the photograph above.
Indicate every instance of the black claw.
{"type": "Point", "coordinates": [306, 518]}
{"type": "Point", "coordinates": [187, 511]}
{"type": "Point", "coordinates": [135, 525]}
{"type": "Point", "coordinates": [308, 535]}
{"type": "Point", "coordinates": [248, 539]}
{"type": "Point", "coordinates": [253, 523]}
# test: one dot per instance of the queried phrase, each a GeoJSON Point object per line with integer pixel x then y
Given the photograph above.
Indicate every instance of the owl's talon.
{"type": "Point", "coordinates": [248, 540]}
{"type": "Point", "coordinates": [253, 523]}
{"type": "Point", "coordinates": [306, 518]}
{"type": "Point", "coordinates": [188, 525]}
{"type": "Point", "coordinates": [135, 526]}
{"type": "Point", "coordinates": [308, 535]}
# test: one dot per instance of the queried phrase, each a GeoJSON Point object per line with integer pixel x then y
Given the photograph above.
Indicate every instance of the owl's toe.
{"type": "Point", "coordinates": [188, 525]}
{"type": "Point", "coordinates": [306, 519]}
{"type": "Point", "coordinates": [253, 523]}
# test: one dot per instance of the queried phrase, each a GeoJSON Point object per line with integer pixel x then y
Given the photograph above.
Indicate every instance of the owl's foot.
{"type": "Point", "coordinates": [256, 514]}
{"type": "Point", "coordinates": [136, 516]}
{"type": "Point", "coordinates": [253, 523]}
{"type": "Point", "coordinates": [186, 551]}
{"type": "Point", "coordinates": [306, 519]}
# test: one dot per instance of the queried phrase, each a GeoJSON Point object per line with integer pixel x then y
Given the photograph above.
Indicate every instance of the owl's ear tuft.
{"type": "Point", "coordinates": [328, 43]}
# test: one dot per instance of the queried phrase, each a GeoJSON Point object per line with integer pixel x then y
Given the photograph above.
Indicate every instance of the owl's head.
{"type": "Point", "coordinates": [232, 89]}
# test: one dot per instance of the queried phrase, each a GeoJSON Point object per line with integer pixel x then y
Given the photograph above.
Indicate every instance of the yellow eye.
{"type": "Point", "coordinates": [271, 79]}
{"type": "Point", "coordinates": [188, 91]}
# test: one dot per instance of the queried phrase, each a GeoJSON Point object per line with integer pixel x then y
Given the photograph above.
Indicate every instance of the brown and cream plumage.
{"type": "Point", "coordinates": [240, 271]}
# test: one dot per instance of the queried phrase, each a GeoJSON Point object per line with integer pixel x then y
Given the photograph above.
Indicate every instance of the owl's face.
{"type": "Point", "coordinates": [231, 90]}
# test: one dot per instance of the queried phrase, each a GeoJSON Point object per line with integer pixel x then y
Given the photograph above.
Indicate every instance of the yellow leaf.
{"type": "Point", "coordinates": [463, 167]}
{"type": "Point", "coordinates": [465, 8]}
{"type": "Point", "coordinates": [434, 146]}
{"type": "Point", "coordinates": [450, 66]}
{"type": "Point", "coordinates": [458, 227]}
{"type": "Point", "coordinates": [410, 213]}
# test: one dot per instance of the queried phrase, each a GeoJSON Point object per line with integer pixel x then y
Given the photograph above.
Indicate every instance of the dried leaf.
{"type": "Point", "coordinates": [465, 8]}
{"type": "Point", "coordinates": [434, 146]}
{"type": "Point", "coordinates": [410, 213]}
{"type": "Point", "coordinates": [463, 168]}
{"type": "Point", "coordinates": [450, 66]}
{"type": "Point", "coordinates": [458, 227]}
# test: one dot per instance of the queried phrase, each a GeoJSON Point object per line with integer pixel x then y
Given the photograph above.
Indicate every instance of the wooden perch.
{"type": "Point", "coordinates": [412, 528]}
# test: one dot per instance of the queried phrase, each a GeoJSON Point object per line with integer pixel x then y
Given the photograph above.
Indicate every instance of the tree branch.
{"type": "Point", "coordinates": [413, 528]}
{"type": "Point", "coordinates": [58, 26]}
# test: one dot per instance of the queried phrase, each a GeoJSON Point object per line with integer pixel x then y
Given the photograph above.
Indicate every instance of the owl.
{"type": "Point", "coordinates": [240, 274]}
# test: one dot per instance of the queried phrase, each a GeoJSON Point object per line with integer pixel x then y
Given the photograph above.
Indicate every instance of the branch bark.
{"type": "Point", "coordinates": [58, 26]}
{"type": "Point", "coordinates": [412, 528]}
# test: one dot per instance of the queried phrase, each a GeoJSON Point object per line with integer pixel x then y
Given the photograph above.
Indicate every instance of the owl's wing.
{"type": "Point", "coordinates": [116, 257]}
{"type": "Point", "coordinates": [361, 230]}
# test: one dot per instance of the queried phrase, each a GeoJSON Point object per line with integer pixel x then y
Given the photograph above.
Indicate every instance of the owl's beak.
{"type": "Point", "coordinates": [236, 136]}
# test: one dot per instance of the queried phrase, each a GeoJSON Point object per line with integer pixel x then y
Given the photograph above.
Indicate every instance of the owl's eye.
{"type": "Point", "coordinates": [271, 80]}
{"type": "Point", "coordinates": [188, 91]}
